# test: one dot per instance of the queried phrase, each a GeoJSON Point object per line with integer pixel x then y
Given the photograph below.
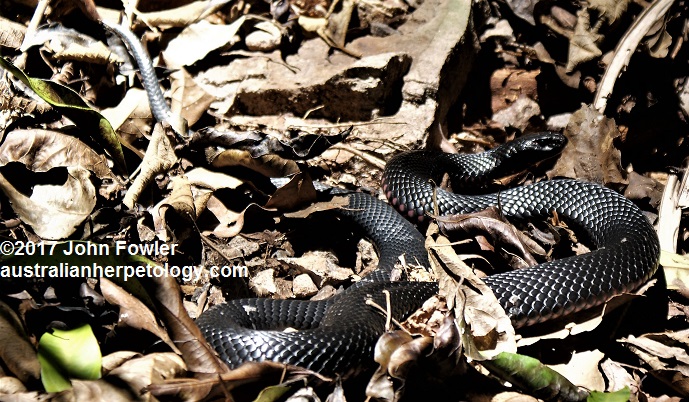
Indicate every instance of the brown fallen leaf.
{"type": "Point", "coordinates": [268, 165]}
{"type": "Point", "coordinates": [16, 351]}
{"type": "Point", "coordinates": [159, 158]}
{"type": "Point", "coordinates": [189, 100]}
{"type": "Point", "coordinates": [297, 192]}
{"type": "Point", "coordinates": [501, 234]}
{"type": "Point", "coordinates": [253, 375]}
{"type": "Point", "coordinates": [591, 154]}
{"type": "Point", "coordinates": [198, 356]}
{"type": "Point", "coordinates": [475, 306]}
{"type": "Point", "coordinates": [133, 312]}
{"type": "Point", "coordinates": [42, 150]}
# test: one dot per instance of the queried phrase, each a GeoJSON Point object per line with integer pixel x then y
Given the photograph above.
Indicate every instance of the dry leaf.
{"type": "Point", "coordinates": [42, 150]}
{"type": "Point", "coordinates": [590, 154]}
{"type": "Point", "coordinates": [54, 211]}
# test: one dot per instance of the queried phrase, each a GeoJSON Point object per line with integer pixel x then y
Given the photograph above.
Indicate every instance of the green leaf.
{"type": "Point", "coordinates": [68, 354]}
{"type": "Point", "coordinates": [533, 377]}
{"type": "Point", "coordinates": [70, 104]}
{"type": "Point", "coordinates": [272, 393]}
{"type": "Point", "coordinates": [622, 395]}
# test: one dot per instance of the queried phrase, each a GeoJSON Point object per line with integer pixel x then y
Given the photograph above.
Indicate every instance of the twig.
{"type": "Point", "coordinates": [377, 162]}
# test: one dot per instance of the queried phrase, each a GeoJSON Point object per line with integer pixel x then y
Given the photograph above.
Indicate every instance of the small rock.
{"type": "Point", "coordinates": [326, 292]}
{"type": "Point", "coordinates": [321, 265]}
{"type": "Point", "coordinates": [303, 286]}
{"type": "Point", "coordinates": [518, 114]}
{"type": "Point", "coordinates": [558, 122]}
{"type": "Point", "coordinates": [264, 283]}
{"type": "Point", "coordinates": [266, 38]}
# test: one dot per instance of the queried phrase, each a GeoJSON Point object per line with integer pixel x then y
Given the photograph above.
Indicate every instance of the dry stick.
{"type": "Point", "coordinates": [366, 157]}
{"type": "Point", "coordinates": [386, 312]}
{"type": "Point", "coordinates": [35, 22]}
{"type": "Point", "coordinates": [625, 49]}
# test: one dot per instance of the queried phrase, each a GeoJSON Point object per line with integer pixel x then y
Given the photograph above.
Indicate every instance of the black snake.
{"type": "Point", "coordinates": [337, 335]}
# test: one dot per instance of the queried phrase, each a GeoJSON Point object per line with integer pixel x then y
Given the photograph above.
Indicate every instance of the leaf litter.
{"type": "Point", "coordinates": [328, 90]}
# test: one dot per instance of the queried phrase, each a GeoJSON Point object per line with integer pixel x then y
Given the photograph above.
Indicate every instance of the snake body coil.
{"type": "Point", "coordinates": [338, 334]}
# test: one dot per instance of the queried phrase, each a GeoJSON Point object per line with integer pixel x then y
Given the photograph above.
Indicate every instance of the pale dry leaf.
{"type": "Point", "coordinates": [95, 52]}
{"type": "Point", "coordinates": [153, 368]}
{"type": "Point", "coordinates": [658, 40]}
{"type": "Point", "coordinates": [491, 330]}
{"type": "Point", "coordinates": [197, 40]}
{"type": "Point", "coordinates": [523, 9]}
{"type": "Point", "coordinates": [611, 10]}
{"type": "Point", "coordinates": [583, 45]}
{"type": "Point", "coordinates": [617, 377]}
{"type": "Point", "coordinates": [188, 99]}
{"type": "Point", "coordinates": [201, 177]}
{"type": "Point", "coordinates": [54, 211]}
{"type": "Point", "coordinates": [582, 369]}
{"type": "Point", "coordinates": [132, 116]}
{"type": "Point", "coordinates": [182, 16]}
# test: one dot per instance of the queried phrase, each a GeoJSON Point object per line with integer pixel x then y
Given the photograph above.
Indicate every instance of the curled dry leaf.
{"type": "Point", "coordinates": [204, 183]}
{"type": "Point", "coordinates": [231, 222]}
{"type": "Point", "coordinates": [258, 375]}
{"type": "Point", "coordinates": [658, 41]}
{"type": "Point", "coordinates": [584, 43]}
{"type": "Point", "coordinates": [297, 192]}
{"type": "Point", "coordinates": [396, 352]}
{"type": "Point", "coordinates": [180, 204]}
{"type": "Point", "coordinates": [181, 16]}
{"type": "Point", "coordinates": [137, 374]}
{"type": "Point", "coordinates": [54, 211]}
{"type": "Point", "coordinates": [428, 319]}
{"type": "Point", "coordinates": [386, 346]}
{"type": "Point", "coordinates": [268, 165]}
{"type": "Point", "coordinates": [131, 118]}
{"type": "Point", "coordinates": [583, 369]}
{"type": "Point", "coordinates": [198, 356]}
{"type": "Point", "coordinates": [69, 44]}
{"type": "Point", "coordinates": [321, 266]}
{"type": "Point", "coordinates": [188, 99]}
{"type": "Point", "coordinates": [667, 354]}
{"type": "Point", "coordinates": [500, 233]}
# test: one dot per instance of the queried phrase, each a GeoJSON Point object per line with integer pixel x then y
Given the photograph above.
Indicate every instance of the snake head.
{"type": "Point", "coordinates": [545, 143]}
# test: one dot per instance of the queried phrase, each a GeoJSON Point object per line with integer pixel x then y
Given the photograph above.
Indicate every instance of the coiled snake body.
{"type": "Point", "coordinates": [337, 335]}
